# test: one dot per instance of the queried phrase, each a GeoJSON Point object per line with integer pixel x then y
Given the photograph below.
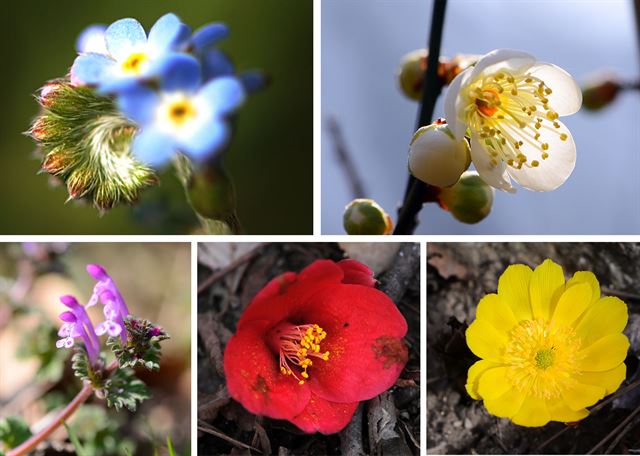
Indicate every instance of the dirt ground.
{"type": "Point", "coordinates": [458, 275]}
{"type": "Point", "coordinates": [229, 277]}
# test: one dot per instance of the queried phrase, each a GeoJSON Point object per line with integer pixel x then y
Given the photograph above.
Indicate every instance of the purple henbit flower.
{"type": "Point", "coordinates": [115, 309]}
{"type": "Point", "coordinates": [78, 324]}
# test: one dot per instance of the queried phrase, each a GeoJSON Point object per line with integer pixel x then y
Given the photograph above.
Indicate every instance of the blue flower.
{"type": "Point", "coordinates": [127, 54]}
{"type": "Point", "coordinates": [184, 116]}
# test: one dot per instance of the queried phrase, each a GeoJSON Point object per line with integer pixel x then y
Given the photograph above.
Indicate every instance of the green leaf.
{"type": "Point", "coordinates": [172, 452]}
{"type": "Point", "coordinates": [13, 431]}
{"type": "Point", "coordinates": [75, 441]}
{"type": "Point", "coordinates": [123, 389]}
{"type": "Point", "coordinates": [142, 348]}
{"type": "Point", "coordinates": [83, 370]}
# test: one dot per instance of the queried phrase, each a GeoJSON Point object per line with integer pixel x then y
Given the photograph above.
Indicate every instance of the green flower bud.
{"type": "Point", "coordinates": [470, 200]}
{"type": "Point", "coordinates": [211, 192]}
{"type": "Point", "coordinates": [436, 157]}
{"type": "Point", "coordinates": [365, 216]}
{"type": "Point", "coordinates": [86, 143]}
{"type": "Point", "coordinates": [598, 95]}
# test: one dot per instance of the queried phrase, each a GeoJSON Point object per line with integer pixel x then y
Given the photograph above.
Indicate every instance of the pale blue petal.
{"type": "Point", "coordinates": [216, 63]}
{"type": "Point", "coordinates": [209, 35]}
{"type": "Point", "coordinates": [178, 72]}
{"type": "Point", "coordinates": [153, 147]}
{"type": "Point", "coordinates": [224, 95]}
{"type": "Point", "coordinates": [119, 83]}
{"type": "Point", "coordinates": [92, 40]}
{"type": "Point", "coordinates": [210, 138]}
{"type": "Point", "coordinates": [168, 33]}
{"type": "Point", "coordinates": [91, 69]}
{"type": "Point", "coordinates": [139, 103]}
{"type": "Point", "coordinates": [123, 37]}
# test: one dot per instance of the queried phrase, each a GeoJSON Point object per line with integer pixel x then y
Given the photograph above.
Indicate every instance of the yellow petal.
{"type": "Point", "coordinates": [547, 282]}
{"type": "Point", "coordinates": [493, 383]}
{"type": "Point", "coordinates": [506, 405]}
{"type": "Point", "coordinates": [513, 290]}
{"type": "Point", "coordinates": [572, 303]}
{"type": "Point", "coordinates": [610, 380]}
{"type": "Point", "coordinates": [485, 341]}
{"type": "Point", "coordinates": [560, 411]}
{"type": "Point", "coordinates": [532, 413]}
{"type": "Point", "coordinates": [579, 395]}
{"type": "Point", "coordinates": [586, 277]}
{"type": "Point", "coordinates": [605, 354]}
{"type": "Point", "coordinates": [496, 312]}
{"type": "Point", "coordinates": [474, 373]}
{"type": "Point", "coordinates": [607, 316]}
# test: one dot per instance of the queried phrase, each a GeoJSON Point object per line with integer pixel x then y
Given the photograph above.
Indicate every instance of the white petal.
{"type": "Point", "coordinates": [60, 343]}
{"type": "Point", "coordinates": [101, 328]}
{"type": "Point", "coordinates": [68, 342]}
{"type": "Point", "coordinates": [453, 102]}
{"type": "Point", "coordinates": [553, 171]}
{"type": "Point", "coordinates": [496, 176]}
{"type": "Point", "coordinates": [509, 59]}
{"type": "Point", "coordinates": [566, 97]}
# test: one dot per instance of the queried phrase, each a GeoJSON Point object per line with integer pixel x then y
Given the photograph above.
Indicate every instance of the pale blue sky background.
{"type": "Point", "coordinates": [362, 43]}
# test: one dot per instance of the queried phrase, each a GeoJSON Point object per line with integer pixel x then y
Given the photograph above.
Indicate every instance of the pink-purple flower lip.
{"type": "Point", "coordinates": [97, 272]}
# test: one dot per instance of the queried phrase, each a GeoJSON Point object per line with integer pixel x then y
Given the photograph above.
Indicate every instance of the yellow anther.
{"type": "Point", "coordinates": [304, 374]}
{"type": "Point", "coordinates": [563, 137]}
{"type": "Point", "coordinates": [535, 163]}
{"type": "Point", "coordinates": [545, 156]}
{"type": "Point", "coordinates": [548, 91]}
{"type": "Point", "coordinates": [514, 92]}
{"type": "Point", "coordinates": [301, 382]}
{"type": "Point", "coordinates": [545, 146]}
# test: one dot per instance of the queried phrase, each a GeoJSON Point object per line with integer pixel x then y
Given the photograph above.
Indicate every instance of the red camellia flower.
{"type": "Point", "coordinates": [311, 346]}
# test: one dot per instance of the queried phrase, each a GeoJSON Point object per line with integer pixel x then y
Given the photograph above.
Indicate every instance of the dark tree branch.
{"type": "Point", "coordinates": [416, 189]}
{"type": "Point", "coordinates": [344, 157]}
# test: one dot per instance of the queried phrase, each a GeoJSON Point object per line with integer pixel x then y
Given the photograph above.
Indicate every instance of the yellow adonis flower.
{"type": "Point", "coordinates": [510, 102]}
{"type": "Point", "coordinates": [549, 349]}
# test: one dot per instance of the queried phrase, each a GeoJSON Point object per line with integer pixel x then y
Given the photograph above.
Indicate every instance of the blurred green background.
{"type": "Point", "coordinates": [271, 158]}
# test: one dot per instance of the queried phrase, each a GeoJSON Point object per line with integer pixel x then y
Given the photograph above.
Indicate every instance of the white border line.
{"type": "Point", "coordinates": [317, 118]}
{"type": "Point", "coordinates": [194, 348]}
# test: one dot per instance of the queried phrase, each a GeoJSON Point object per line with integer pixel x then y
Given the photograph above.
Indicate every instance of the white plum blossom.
{"type": "Point", "coordinates": [510, 103]}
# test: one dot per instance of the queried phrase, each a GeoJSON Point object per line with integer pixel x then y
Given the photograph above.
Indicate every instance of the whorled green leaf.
{"type": "Point", "coordinates": [13, 431]}
{"type": "Point", "coordinates": [142, 348]}
{"type": "Point", "coordinates": [86, 143]}
{"type": "Point", "coordinates": [83, 370]}
{"type": "Point", "coordinates": [124, 389]}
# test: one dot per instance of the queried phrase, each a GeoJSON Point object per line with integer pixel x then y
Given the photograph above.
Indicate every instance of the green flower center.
{"type": "Point", "coordinates": [545, 358]}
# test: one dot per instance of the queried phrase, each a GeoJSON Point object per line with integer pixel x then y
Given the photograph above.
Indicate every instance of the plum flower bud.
{"type": "Point", "coordinates": [599, 94]}
{"type": "Point", "coordinates": [469, 200]}
{"type": "Point", "coordinates": [365, 216]}
{"type": "Point", "coordinates": [414, 65]}
{"type": "Point", "coordinates": [436, 157]}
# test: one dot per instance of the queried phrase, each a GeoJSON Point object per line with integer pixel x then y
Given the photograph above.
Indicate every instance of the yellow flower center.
{"type": "Point", "coordinates": [181, 111]}
{"type": "Point", "coordinates": [507, 110]}
{"type": "Point", "coordinates": [135, 63]}
{"type": "Point", "coordinates": [298, 345]}
{"type": "Point", "coordinates": [542, 358]}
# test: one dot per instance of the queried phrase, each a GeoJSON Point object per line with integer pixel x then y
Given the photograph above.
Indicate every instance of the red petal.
{"type": "Point", "coordinates": [254, 378]}
{"type": "Point", "coordinates": [364, 337]}
{"type": "Point", "coordinates": [282, 296]}
{"type": "Point", "coordinates": [324, 416]}
{"type": "Point", "coordinates": [356, 273]}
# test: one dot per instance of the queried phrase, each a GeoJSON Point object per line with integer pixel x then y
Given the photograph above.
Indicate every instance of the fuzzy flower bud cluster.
{"type": "Point", "coordinates": [132, 101]}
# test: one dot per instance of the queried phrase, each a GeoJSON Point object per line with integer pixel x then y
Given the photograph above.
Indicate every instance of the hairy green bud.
{"type": "Point", "coordinates": [86, 143]}
{"type": "Point", "coordinates": [469, 200]}
{"type": "Point", "coordinates": [365, 216]}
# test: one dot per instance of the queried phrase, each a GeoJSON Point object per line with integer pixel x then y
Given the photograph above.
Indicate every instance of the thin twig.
{"type": "Point", "coordinates": [416, 189]}
{"type": "Point", "coordinates": [595, 409]}
{"type": "Point", "coordinates": [80, 398]}
{"type": "Point", "coordinates": [234, 264]}
{"type": "Point", "coordinates": [205, 427]}
{"type": "Point", "coordinates": [344, 157]}
{"type": "Point", "coordinates": [615, 431]}
{"type": "Point", "coordinates": [620, 294]}
{"type": "Point", "coordinates": [623, 432]}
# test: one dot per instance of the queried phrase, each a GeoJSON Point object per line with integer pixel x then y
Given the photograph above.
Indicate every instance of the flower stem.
{"type": "Point", "coordinates": [416, 189]}
{"type": "Point", "coordinates": [81, 397]}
